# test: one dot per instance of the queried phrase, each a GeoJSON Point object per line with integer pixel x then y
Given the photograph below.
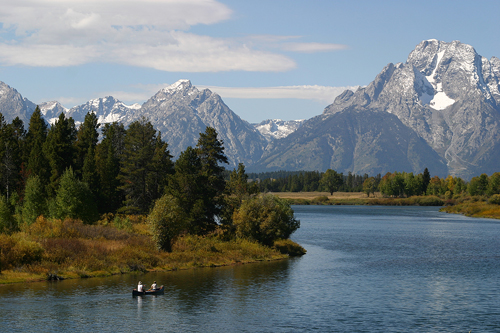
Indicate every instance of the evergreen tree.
{"type": "Point", "coordinates": [90, 174]}
{"type": "Point", "coordinates": [237, 189]}
{"type": "Point", "coordinates": [73, 199]}
{"type": "Point", "coordinates": [187, 186]}
{"type": "Point", "coordinates": [108, 167]}
{"type": "Point", "coordinates": [37, 163]}
{"type": "Point", "coordinates": [161, 166]}
{"type": "Point", "coordinates": [87, 136]}
{"type": "Point", "coordinates": [7, 221]}
{"type": "Point", "coordinates": [425, 181]}
{"type": "Point", "coordinates": [11, 155]}
{"type": "Point", "coordinates": [137, 167]}
{"type": "Point", "coordinates": [211, 153]}
{"type": "Point", "coordinates": [59, 149]}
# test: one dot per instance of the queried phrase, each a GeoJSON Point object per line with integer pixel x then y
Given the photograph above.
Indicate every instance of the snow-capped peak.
{"type": "Point", "coordinates": [179, 85]}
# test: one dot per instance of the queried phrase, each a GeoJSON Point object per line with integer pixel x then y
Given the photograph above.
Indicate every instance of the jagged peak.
{"type": "Point", "coordinates": [179, 85]}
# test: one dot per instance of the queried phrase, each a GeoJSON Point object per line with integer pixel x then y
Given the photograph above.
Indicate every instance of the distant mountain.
{"type": "Point", "coordinates": [440, 109]}
{"type": "Point", "coordinates": [107, 110]}
{"type": "Point", "coordinates": [181, 112]}
{"type": "Point", "coordinates": [445, 94]}
{"type": "Point", "coordinates": [52, 110]}
{"type": "Point", "coordinates": [352, 140]}
{"type": "Point", "coordinates": [13, 105]}
{"type": "Point", "coordinates": [277, 129]}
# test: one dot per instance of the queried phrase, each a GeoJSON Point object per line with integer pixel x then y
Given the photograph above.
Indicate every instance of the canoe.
{"type": "Point", "coordinates": [149, 292]}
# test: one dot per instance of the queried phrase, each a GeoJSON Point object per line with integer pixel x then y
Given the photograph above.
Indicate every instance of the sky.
{"type": "Point", "coordinates": [267, 59]}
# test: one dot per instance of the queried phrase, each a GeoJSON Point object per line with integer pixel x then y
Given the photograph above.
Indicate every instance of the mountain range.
{"type": "Point", "coordinates": [440, 109]}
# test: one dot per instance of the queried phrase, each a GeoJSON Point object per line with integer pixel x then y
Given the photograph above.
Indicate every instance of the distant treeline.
{"type": "Point", "coordinates": [395, 184]}
{"type": "Point", "coordinates": [306, 181]}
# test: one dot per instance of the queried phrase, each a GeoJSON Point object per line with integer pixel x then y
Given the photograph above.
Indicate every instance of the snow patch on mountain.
{"type": "Point", "coordinates": [277, 129]}
{"type": "Point", "coordinates": [439, 101]}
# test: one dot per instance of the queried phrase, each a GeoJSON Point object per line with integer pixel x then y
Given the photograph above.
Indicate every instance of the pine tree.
{"type": "Point", "coordinates": [186, 185]}
{"type": "Point", "coordinates": [87, 136]}
{"type": "Point", "coordinates": [90, 174]}
{"type": "Point", "coordinates": [11, 155]}
{"type": "Point", "coordinates": [73, 199]}
{"type": "Point", "coordinates": [59, 149]}
{"type": "Point", "coordinates": [137, 167]}
{"type": "Point", "coordinates": [37, 163]}
{"type": "Point", "coordinates": [108, 167]}
{"type": "Point", "coordinates": [211, 153]}
{"type": "Point", "coordinates": [425, 180]}
{"type": "Point", "coordinates": [161, 166]}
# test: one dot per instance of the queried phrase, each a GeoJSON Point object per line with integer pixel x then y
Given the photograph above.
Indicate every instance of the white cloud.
{"type": "Point", "coordinates": [147, 33]}
{"type": "Point", "coordinates": [322, 94]}
{"type": "Point", "coordinates": [313, 47]}
{"type": "Point", "coordinates": [140, 93]}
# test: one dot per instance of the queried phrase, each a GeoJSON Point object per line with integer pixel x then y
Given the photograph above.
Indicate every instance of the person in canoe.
{"type": "Point", "coordinates": [153, 286]}
{"type": "Point", "coordinates": [140, 287]}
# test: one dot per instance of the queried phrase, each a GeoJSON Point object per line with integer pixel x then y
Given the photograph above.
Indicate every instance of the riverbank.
{"type": "Point", "coordinates": [475, 207]}
{"type": "Point", "coordinates": [356, 198]}
{"type": "Point", "coordinates": [55, 249]}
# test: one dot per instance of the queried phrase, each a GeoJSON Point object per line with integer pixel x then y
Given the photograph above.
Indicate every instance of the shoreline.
{"type": "Point", "coordinates": [356, 198]}
{"type": "Point", "coordinates": [69, 249]}
{"type": "Point", "coordinates": [109, 274]}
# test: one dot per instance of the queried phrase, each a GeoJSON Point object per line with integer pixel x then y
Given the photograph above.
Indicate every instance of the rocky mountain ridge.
{"type": "Point", "coordinates": [440, 109]}
{"type": "Point", "coordinates": [179, 111]}
{"type": "Point", "coordinates": [445, 93]}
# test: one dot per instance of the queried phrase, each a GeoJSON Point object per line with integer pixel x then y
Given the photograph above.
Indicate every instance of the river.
{"type": "Point", "coordinates": [367, 269]}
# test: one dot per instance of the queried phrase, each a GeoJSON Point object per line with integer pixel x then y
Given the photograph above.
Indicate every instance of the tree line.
{"type": "Point", "coordinates": [61, 171]}
{"type": "Point", "coordinates": [306, 181]}
{"type": "Point", "coordinates": [392, 184]}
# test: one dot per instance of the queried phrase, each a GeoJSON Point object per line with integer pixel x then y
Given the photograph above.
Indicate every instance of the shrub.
{"type": "Point", "coordinates": [265, 219]}
{"type": "Point", "coordinates": [17, 251]}
{"type": "Point", "coordinates": [287, 246]}
{"type": "Point", "coordinates": [495, 199]}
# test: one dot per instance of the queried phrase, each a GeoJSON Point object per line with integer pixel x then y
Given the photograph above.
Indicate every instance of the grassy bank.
{"type": "Point", "coordinates": [476, 206]}
{"type": "Point", "coordinates": [356, 198]}
{"type": "Point", "coordinates": [55, 249]}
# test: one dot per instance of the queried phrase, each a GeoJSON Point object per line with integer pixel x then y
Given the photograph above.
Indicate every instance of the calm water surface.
{"type": "Point", "coordinates": [368, 269]}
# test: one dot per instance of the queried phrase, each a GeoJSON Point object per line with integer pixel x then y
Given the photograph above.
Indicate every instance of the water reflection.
{"type": "Point", "coordinates": [385, 270]}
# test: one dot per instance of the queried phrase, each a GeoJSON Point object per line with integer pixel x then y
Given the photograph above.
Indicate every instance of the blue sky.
{"type": "Point", "coordinates": [283, 59]}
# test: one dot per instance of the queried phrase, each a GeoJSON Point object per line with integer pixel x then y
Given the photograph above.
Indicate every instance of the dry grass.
{"type": "Point", "coordinates": [356, 198]}
{"type": "Point", "coordinates": [53, 249]}
{"type": "Point", "coordinates": [336, 195]}
{"type": "Point", "coordinates": [475, 209]}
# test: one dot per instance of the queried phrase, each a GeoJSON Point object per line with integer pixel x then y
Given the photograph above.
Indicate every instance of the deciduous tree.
{"type": "Point", "coordinates": [331, 181]}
